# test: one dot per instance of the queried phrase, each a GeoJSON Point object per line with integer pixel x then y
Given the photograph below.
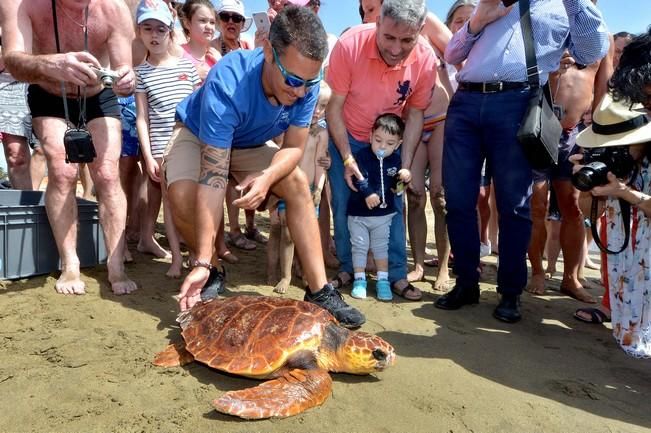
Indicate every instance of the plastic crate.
{"type": "Point", "coordinates": [27, 244]}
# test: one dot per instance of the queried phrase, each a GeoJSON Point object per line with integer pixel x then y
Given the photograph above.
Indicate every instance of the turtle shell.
{"type": "Point", "coordinates": [252, 335]}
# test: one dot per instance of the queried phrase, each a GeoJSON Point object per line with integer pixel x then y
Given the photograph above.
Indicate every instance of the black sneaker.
{"type": "Point", "coordinates": [215, 285]}
{"type": "Point", "coordinates": [330, 299]}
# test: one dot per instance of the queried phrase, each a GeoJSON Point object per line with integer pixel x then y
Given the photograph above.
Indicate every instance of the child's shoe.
{"type": "Point", "coordinates": [383, 289]}
{"type": "Point", "coordinates": [359, 289]}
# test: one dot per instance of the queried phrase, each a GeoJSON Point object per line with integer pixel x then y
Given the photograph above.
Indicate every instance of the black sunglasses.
{"type": "Point", "coordinates": [236, 18]}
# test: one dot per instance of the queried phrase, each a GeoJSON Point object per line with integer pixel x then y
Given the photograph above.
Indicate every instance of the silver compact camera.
{"type": "Point", "coordinates": [106, 77]}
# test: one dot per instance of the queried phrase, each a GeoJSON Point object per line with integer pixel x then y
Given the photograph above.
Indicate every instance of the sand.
{"type": "Point", "coordinates": [83, 364]}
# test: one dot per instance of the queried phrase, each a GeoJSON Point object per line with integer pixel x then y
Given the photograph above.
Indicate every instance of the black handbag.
{"type": "Point", "coordinates": [540, 130]}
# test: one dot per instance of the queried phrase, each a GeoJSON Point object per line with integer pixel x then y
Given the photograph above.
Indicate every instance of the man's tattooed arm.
{"type": "Point", "coordinates": [214, 167]}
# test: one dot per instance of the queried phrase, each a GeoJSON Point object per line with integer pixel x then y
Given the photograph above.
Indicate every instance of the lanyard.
{"type": "Point", "coordinates": [81, 122]}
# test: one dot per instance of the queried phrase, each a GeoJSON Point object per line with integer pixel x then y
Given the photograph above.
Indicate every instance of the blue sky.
{"type": "Point", "coordinates": [631, 15]}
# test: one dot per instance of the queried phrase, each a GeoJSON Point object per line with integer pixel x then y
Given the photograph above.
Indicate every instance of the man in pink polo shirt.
{"type": "Point", "coordinates": [374, 69]}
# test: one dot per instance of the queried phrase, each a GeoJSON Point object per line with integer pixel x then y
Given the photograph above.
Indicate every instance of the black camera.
{"type": "Point", "coordinates": [598, 162]}
{"type": "Point", "coordinates": [79, 145]}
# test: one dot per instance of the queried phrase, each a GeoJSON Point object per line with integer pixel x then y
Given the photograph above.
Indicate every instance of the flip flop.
{"type": "Point", "coordinates": [409, 292]}
{"type": "Point", "coordinates": [596, 316]}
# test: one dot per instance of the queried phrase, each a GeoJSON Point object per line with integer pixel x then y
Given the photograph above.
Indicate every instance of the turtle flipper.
{"type": "Point", "coordinates": [289, 394]}
{"type": "Point", "coordinates": [174, 355]}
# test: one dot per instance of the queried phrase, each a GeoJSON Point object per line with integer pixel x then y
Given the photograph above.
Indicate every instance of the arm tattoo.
{"type": "Point", "coordinates": [214, 167]}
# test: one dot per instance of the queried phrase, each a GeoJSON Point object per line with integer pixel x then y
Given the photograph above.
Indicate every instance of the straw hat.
{"type": "Point", "coordinates": [237, 7]}
{"type": "Point", "coordinates": [616, 124]}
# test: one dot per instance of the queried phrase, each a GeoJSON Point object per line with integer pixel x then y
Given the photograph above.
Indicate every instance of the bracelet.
{"type": "Point", "coordinates": [349, 160]}
{"type": "Point", "coordinates": [196, 263]}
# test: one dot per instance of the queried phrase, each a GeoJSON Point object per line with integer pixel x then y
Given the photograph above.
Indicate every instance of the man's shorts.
{"type": "Point", "coordinates": [182, 158]}
{"type": "Point", "coordinates": [130, 143]}
{"type": "Point", "coordinates": [44, 104]}
{"type": "Point", "coordinates": [566, 148]}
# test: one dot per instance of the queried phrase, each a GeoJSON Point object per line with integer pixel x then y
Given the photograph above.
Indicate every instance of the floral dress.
{"type": "Point", "coordinates": [629, 273]}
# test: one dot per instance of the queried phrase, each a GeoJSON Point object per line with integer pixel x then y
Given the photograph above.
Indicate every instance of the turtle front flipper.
{"type": "Point", "coordinates": [174, 355]}
{"type": "Point", "coordinates": [290, 394]}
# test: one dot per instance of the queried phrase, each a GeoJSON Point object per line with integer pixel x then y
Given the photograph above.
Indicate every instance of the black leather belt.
{"type": "Point", "coordinates": [493, 86]}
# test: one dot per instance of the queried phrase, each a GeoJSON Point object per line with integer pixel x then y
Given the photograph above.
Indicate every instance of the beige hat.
{"type": "Point", "coordinates": [616, 124]}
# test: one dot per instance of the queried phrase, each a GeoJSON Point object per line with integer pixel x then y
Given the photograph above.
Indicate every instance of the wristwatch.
{"type": "Point", "coordinates": [196, 263]}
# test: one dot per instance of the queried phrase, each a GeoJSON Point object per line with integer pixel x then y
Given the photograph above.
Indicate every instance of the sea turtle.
{"type": "Point", "coordinates": [295, 343]}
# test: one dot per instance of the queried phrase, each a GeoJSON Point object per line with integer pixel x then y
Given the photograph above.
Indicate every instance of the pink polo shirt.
{"type": "Point", "coordinates": [371, 87]}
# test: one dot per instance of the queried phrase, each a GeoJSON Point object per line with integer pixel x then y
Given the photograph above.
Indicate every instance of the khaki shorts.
{"type": "Point", "coordinates": [182, 158]}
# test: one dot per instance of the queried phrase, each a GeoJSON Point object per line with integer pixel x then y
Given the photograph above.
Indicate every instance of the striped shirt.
{"type": "Point", "coordinates": [497, 52]}
{"type": "Point", "coordinates": [165, 87]}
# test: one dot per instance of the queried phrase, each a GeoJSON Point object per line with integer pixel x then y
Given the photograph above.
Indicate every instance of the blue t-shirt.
{"type": "Point", "coordinates": [231, 109]}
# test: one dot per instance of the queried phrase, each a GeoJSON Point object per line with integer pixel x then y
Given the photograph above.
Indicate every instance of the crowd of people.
{"type": "Point", "coordinates": [182, 110]}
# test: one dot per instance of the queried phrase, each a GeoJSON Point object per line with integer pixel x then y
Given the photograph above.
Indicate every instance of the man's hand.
{"type": "Point", "coordinates": [126, 83]}
{"type": "Point", "coordinates": [372, 201]}
{"type": "Point", "coordinates": [256, 187]}
{"type": "Point", "coordinates": [76, 68]}
{"type": "Point", "coordinates": [486, 12]}
{"type": "Point", "coordinates": [190, 292]}
{"type": "Point", "coordinates": [352, 170]}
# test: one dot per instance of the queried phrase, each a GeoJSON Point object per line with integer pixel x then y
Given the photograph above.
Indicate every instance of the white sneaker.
{"type": "Point", "coordinates": [484, 249]}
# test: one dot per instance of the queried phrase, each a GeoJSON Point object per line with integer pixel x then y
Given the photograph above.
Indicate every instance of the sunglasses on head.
{"type": "Point", "coordinates": [235, 18]}
{"type": "Point", "coordinates": [292, 80]}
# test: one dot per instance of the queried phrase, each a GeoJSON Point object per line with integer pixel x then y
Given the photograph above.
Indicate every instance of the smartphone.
{"type": "Point", "coordinates": [508, 3]}
{"type": "Point", "coordinates": [261, 20]}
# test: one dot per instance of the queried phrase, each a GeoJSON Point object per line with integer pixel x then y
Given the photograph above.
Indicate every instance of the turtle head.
{"type": "Point", "coordinates": [364, 353]}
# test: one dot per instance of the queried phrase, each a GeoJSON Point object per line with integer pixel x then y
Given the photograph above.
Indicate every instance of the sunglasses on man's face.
{"type": "Point", "coordinates": [235, 18]}
{"type": "Point", "coordinates": [292, 80]}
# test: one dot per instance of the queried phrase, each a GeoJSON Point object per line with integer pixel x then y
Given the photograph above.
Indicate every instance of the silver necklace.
{"type": "Point", "coordinates": [83, 26]}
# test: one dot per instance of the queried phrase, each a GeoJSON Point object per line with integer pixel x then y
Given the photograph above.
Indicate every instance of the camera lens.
{"type": "Point", "coordinates": [107, 81]}
{"type": "Point", "coordinates": [590, 175]}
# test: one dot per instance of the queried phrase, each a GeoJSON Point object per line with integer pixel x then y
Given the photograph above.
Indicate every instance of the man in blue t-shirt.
{"type": "Point", "coordinates": [225, 129]}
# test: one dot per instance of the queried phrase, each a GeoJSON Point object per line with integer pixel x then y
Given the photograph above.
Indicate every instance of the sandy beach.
{"type": "Point", "coordinates": [83, 364]}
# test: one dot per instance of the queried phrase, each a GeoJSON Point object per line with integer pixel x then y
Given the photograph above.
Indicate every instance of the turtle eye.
{"type": "Point", "coordinates": [379, 355]}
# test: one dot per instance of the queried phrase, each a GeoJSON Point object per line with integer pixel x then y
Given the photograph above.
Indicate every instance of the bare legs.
{"type": "Point", "coordinates": [61, 203]}
{"type": "Point", "coordinates": [18, 161]}
{"type": "Point", "coordinates": [538, 237]}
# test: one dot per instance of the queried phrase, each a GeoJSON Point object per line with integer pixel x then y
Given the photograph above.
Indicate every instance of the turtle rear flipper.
{"type": "Point", "coordinates": [290, 394]}
{"type": "Point", "coordinates": [174, 355]}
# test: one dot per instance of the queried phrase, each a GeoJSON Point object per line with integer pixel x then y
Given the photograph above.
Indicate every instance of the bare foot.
{"type": "Point", "coordinates": [152, 247]}
{"type": "Point", "coordinates": [442, 283]}
{"type": "Point", "coordinates": [418, 274]}
{"type": "Point", "coordinates": [69, 283]}
{"type": "Point", "coordinates": [282, 286]}
{"type": "Point", "coordinates": [591, 265]}
{"type": "Point", "coordinates": [120, 283]}
{"type": "Point", "coordinates": [578, 293]}
{"type": "Point", "coordinates": [536, 284]}
{"type": "Point", "coordinates": [549, 274]}
{"type": "Point", "coordinates": [175, 269]}
{"type": "Point", "coordinates": [128, 258]}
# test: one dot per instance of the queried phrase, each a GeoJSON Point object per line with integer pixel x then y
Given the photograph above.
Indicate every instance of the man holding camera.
{"type": "Point", "coordinates": [64, 58]}
{"type": "Point", "coordinates": [482, 122]}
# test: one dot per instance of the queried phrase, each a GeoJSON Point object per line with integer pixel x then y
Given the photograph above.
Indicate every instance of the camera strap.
{"type": "Point", "coordinates": [626, 217]}
{"type": "Point", "coordinates": [81, 122]}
